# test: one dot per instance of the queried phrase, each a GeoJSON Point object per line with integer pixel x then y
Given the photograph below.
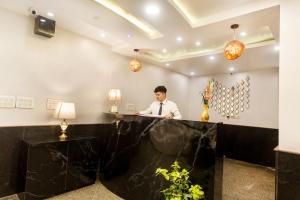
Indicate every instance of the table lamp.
{"type": "Point", "coordinates": [114, 96]}
{"type": "Point", "coordinates": [64, 111]}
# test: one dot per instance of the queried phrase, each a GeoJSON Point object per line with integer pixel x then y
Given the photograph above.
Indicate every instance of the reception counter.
{"type": "Point", "coordinates": [140, 145]}
{"type": "Point", "coordinates": [130, 151]}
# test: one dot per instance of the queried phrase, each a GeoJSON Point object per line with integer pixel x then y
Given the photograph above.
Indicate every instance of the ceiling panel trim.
{"type": "Point", "coordinates": [203, 52]}
{"type": "Point", "coordinates": [182, 7]}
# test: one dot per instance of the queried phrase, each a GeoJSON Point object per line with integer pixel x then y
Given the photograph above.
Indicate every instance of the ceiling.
{"type": "Point", "coordinates": [125, 25]}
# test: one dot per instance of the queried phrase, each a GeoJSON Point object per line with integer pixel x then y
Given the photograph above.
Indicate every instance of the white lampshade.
{"type": "Point", "coordinates": [114, 95]}
{"type": "Point", "coordinates": [65, 110]}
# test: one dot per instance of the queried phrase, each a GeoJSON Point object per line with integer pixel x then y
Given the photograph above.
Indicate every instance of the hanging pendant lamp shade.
{"type": "Point", "coordinates": [234, 48]}
{"type": "Point", "coordinates": [135, 65]}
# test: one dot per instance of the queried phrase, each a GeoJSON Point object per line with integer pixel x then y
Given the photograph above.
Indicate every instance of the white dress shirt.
{"type": "Point", "coordinates": [168, 107]}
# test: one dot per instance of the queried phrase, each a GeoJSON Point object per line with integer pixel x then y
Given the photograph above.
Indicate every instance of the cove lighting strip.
{"type": "Point", "coordinates": [148, 29]}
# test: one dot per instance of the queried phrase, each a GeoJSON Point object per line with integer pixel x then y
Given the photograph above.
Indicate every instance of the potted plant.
{"type": "Point", "coordinates": [180, 187]}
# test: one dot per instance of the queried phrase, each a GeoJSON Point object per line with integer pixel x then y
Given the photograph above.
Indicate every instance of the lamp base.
{"type": "Point", "coordinates": [114, 109]}
{"type": "Point", "coordinates": [63, 136]}
{"type": "Point", "coordinates": [63, 126]}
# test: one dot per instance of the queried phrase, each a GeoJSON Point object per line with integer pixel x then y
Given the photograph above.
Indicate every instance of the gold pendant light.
{"type": "Point", "coordinates": [234, 48]}
{"type": "Point", "coordinates": [135, 65]}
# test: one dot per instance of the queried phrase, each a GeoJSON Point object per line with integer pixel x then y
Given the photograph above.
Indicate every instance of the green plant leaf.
{"type": "Point", "coordinates": [175, 166]}
{"type": "Point", "coordinates": [179, 188]}
{"type": "Point", "coordinates": [163, 172]}
{"type": "Point", "coordinates": [196, 192]}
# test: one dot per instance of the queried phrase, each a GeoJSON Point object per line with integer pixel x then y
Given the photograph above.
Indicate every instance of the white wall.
{"type": "Point", "coordinates": [289, 75]}
{"type": "Point", "coordinates": [73, 68]}
{"type": "Point", "coordinates": [263, 111]}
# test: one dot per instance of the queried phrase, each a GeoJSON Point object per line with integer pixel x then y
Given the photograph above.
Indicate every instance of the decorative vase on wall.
{"type": "Point", "coordinates": [204, 115]}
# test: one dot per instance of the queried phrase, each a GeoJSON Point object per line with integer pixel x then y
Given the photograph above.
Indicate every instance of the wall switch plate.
{"type": "Point", "coordinates": [52, 103]}
{"type": "Point", "coordinates": [7, 101]}
{"type": "Point", "coordinates": [25, 102]}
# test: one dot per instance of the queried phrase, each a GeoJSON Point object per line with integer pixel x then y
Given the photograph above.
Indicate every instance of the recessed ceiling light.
{"type": "Point", "coordinates": [167, 64]}
{"type": "Point", "coordinates": [103, 35]}
{"type": "Point", "coordinates": [211, 57]}
{"type": "Point", "coordinates": [277, 48]}
{"type": "Point", "coordinates": [179, 39]}
{"type": "Point", "coordinates": [152, 10]}
{"type": "Point", "coordinates": [192, 73]}
{"type": "Point", "coordinates": [243, 33]}
{"type": "Point", "coordinates": [198, 43]}
{"type": "Point", "coordinates": [129, 36]}
{"type": "Point", "coordinates": [50, 14]}
{"type": "Point", "coordinates": [231, 69]}
{"type": "Point", "coordinates": [164, 50]}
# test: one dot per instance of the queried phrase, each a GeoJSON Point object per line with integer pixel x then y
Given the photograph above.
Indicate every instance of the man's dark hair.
{"type": "Point", "coordinates": [160, 88]}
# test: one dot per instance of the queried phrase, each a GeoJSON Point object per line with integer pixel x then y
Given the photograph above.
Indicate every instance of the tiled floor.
{"type": "Point", "coordinates": [13, 197]}
{"type": "Point", "coordinates": [242, 181]}
{"type": "Point", "coordinates": [93, 192]}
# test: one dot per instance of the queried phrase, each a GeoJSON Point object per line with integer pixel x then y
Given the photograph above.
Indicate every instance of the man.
{"type": "Point", "coordinates": [162, 106]}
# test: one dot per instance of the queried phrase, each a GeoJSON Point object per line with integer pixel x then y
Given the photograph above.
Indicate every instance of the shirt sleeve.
{"type": "Point", "coordinates": [175, 112]}
{"type": "Point", "coordinates": [147, 111]}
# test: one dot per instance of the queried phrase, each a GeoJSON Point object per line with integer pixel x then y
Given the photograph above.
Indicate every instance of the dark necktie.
{"type": "Point", "coordinates": [160, 109]}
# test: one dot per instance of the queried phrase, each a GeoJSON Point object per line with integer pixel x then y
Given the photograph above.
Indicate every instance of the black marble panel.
{"type": "Point", "coordinates": [140, 145]}
{"type": "Point", "coordinates": [11, 151]}
{"type": "Point", "coordinates": [249, 144]}
{"type": "Point", "coordinates": [287, 176]}
{"type": "Point", "coordinates": [46, 170]}
{"type": "Point", "coordinates": [54, 167]}
{"type": "Point", "coordinates": [82, 163]}
{"type": "Point", "coordinates": [10, 146]}
{"type": "Point", "coordinates": [218, 182]}
{"type": "Point", "coordinates": [41, 132]}
{"type": "Point", "coordinates": [94, 130]}
{"type": "Point", "coordinates": [101, 132]}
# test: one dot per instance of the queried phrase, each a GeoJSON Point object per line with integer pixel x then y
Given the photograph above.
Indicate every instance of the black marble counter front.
{"type": "Point", "coordinates": [287, 175]}
{"type": "Point", "coordinates": [139, 145]}
{"type": "Point", "coordinates": [248, 143]}
{"type": "Point", "coordinates": [49, 166]}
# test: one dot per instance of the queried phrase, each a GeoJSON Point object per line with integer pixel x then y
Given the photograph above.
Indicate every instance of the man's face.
{"type": "Point", "coordinates": [160, 96]}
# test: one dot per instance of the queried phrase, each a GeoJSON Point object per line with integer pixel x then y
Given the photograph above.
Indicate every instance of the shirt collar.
{"type": "Point", "coordinates": [164, 102]}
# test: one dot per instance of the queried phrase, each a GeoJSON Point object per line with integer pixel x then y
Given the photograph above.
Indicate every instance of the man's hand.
{"type": "Point", "coordinates": [169, 116]}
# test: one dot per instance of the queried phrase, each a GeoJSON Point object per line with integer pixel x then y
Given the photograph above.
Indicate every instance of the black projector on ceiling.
{"type": "Point", "coordinates": [44, 26]}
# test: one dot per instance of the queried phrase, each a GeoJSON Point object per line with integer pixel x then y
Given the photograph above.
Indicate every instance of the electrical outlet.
{"type": "Point", "coordinates": [25, 102]}
{"type": "Point", "coordinates": [52, 103]}
{"type": "Point", "coordinates": [7, 101]}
